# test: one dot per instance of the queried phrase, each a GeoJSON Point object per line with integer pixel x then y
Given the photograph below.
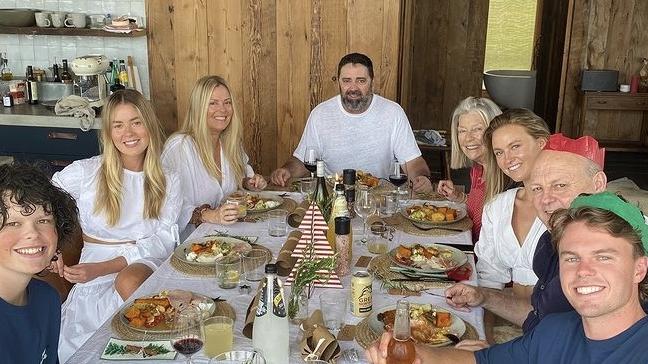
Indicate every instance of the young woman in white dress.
{"type": "Point", "coordinates": [128, 207]}
{"type": "Point", "coordinates": [207, 152]}
{"type": "Point", "coordinates": [510, 226]}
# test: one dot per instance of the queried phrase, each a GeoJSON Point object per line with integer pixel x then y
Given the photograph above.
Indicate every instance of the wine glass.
{"type": "Point", "coordinates": [310, 160]}
{"type": "Point", "coordinates": [397, 178]}
{"type": "Point", "coordinates": [187, 333]}
{"type": "Point", "coordinates": [365, 206]}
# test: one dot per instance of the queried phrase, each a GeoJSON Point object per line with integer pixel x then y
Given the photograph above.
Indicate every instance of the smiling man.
{"type": "Point", "coordinates": [601, 243]}
{"type": "Point", "coordinates": [358, 129]}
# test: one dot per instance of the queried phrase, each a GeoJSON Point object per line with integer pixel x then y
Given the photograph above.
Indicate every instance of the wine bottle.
{"type": "Point", "coordinates": [401, 348]}
{"type": "Point", "coordinates": [321, 196]}
{"type": "Point", "coordinates": [32, 86]}
{"type": "Point", "coordinates": [66, 77]}
{"type": "Point", "coordinates": [55, 71]}
{"type": "Point", "coordinates": [270, 332]}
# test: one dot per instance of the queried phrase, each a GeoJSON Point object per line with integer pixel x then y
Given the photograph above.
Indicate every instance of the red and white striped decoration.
{"type": "Point", "coordinates": [323, 249]}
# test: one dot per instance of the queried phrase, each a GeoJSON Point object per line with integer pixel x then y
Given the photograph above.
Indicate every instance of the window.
{"type": "Point", "coordinates": [511, 34]}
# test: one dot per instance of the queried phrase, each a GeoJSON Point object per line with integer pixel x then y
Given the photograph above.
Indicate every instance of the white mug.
{"type": "Point", "coordinates": [58, 19]}
{"type": "Point", "coordinates": [97, 21]}
{"type": "Point", "coordinates": [75, 20]}
{"type": "Point", "coordinates": [42, 19]}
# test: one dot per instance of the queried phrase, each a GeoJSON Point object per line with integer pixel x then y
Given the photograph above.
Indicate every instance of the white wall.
{"type": "Point", "coordinates": [40, 50]}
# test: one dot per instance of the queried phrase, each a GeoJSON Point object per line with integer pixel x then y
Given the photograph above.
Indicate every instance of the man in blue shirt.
{"type": "Point", "coordinates": [601, 243]}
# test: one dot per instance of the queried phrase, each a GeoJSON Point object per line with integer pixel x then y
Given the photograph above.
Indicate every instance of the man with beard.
{"type": "Point", "coordinates": [358, 129]}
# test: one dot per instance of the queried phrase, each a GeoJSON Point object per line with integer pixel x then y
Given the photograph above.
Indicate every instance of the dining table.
{"type": "Point", "coordinates": [166, 277]}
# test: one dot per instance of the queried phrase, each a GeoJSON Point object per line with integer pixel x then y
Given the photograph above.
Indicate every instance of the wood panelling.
{"type": "Point", "coordinates": [279, 56]}
{"type": "Point", "coordinates": [604, 34]}
{"type": "Point", "coordinates": [443, 58]}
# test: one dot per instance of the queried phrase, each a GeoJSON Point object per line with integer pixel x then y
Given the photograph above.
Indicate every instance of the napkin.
{"type": "Point", "coordinates": [297, 215]}
{"type": "Point", "coordinates": [251, 314]}
{"type": "Point", "coordinates": [314, 331]}
{"type": "Point", "coordinates": [285, 262]}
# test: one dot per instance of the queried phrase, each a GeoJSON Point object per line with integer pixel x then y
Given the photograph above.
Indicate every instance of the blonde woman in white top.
{"type": "Point", "coordinates": [128, 209]}
{"type": "Point", "coordinates": [207, 152]}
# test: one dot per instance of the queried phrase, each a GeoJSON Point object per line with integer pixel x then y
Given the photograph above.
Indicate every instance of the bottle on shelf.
{"type": "Point", "coordinates": [32, 86]}
{"type": "Point", "coordinates": [401, 348]}
{"type": "Point", "coordinates": [123, 74]}
{"type": "Point", "coordinates": [66, 77]}
{"type": "Point", "coordinates": [338, 209]}
{"type": "Point", "coordinates": [5, 71]}
{"type": "Point", "coordinates": [270, 334]}
{"type": "Point", "coordinates": [55, 71]}
{"type": "Point", "coordinates": [321, 195]}
{"type": "Point", "coordinates": [116, 86]}
{"type": "Point", "coordinates": [7, 99]}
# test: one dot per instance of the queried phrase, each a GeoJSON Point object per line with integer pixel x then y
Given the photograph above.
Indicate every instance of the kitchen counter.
{"type": "Point", "coordinates": [39, 115]}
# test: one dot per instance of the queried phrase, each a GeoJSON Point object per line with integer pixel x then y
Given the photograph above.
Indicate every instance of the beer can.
{"type": "Point", "coordinates": [361, 299]}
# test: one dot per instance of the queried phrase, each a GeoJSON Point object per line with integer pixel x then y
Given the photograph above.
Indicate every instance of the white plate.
{"type": "Point", "coordinates": [121, 344]}
{"type": "Point", "coordinates": [458, 258]}
{"type": "Point", "coordinates": [203, 303]}
{"type": "Point", "coordinates": [182, 249]}
{"type": "Point", "coordinates": [266, 196]}
{"type": "Point", "coordinates": [461, 212]}
{"type": "Point", "coordinates": [458, 326]}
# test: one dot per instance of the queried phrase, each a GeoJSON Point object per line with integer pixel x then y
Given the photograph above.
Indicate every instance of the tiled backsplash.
{"type": "Point", "coordinates": [41, 50]}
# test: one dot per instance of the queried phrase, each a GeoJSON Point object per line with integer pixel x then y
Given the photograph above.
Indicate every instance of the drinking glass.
{"type": "Point", "coordinates": [254, 262]}
{"type": "Point", "coordinates": [396, 177]}
{"type": "Point", "coordinates": [365, 206]}
{"type": "Point", "coordinates": [228, 271]}
{"type": "Point", "coordinates": [310, 160]}
{"type": "Point", "coordinates": [187, 333]}
{"type": "Point", "coordinates": [307, 187]}
{"type": "Point", "coordinates": [277, 222]}
{"type": "Point", "coordinates": [218, 334]}
{"type": "Point", "coordinates": [334, 308]}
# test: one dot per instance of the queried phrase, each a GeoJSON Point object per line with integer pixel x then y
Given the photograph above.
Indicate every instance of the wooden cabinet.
{"type": "Point", "coordinates": [619, 121]}
{"type": "Point", "coordinates": [57, 147]}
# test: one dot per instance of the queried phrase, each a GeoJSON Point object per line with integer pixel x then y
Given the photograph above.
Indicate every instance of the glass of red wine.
{"type": "Point", "coordinates": [186, 336]}
{"type": "Point", "coordinates": [310, 160]}
{"type": "Point", "coordinates": [396, 177]}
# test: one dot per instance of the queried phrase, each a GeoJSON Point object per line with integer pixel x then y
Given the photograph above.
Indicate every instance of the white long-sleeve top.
{"type": "Point", "coordinates": [501, 258]}
{"type": "Point", "coordinates": [198, 186]}
{"type": "Point", "coordinates": [154, 238]}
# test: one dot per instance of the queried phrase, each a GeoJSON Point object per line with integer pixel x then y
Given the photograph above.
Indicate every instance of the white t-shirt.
{"type": "Point", "coordinates": [154, 238]}
{"type": "Point", "coordinates": [501, 258]}
{"type": "Point", "coordinates": [198, 186]}
{"type": "Point", "coordinates": [367, 141]}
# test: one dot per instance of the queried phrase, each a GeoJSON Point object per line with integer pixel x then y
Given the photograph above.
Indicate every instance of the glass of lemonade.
{"type": "Point", "coordinates": [218, 335]}
{"type": "Point", "coordinates": [228, 271]}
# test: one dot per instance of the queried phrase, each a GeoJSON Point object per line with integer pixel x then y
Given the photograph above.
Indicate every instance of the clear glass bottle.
{"type": "Point", "coordinates": [5, 71]}
{"type": "Point", "coordinates": [123, 74]}
{"type": "Point", "coordinates": [401, 348]}
{"type": "Point", "coordinates": [270, 334]}
{"type": "Point", "coordinates": [338, 209]}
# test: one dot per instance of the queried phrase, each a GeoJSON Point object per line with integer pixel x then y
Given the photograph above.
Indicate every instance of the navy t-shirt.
{"type": "Point", "coordinates": [29, 334]}
{"type": "Point", "coordinates": [560, 338]}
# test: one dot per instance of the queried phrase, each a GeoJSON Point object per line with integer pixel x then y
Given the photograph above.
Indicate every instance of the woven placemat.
{"type": "Point", "coordinates": [123, 331]}
{"type": "Point", "coordinates": [289, 205]}
{"type": "Point", "coordinates": [401, 223]}
{"type": "Point", "coordinates": [204, 270]}
{"type": "Point", "coordinates": [379, 267]}
{"type": "Point", "coordinates": [365, 336]}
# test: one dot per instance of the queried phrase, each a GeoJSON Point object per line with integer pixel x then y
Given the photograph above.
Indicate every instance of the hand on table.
{"type": "Point", "coordinates": [377, 353]}
{"type": "Point", "coordinates": [280, 176]}
{"type": "Point", "coordinates": [256, 182]}
{"type": "Point", "coordinates": [462, 296]}
{"type": "Point", "coordinates": [422, 184]}
{"type": "Point", "coordinates": [447, 189]}
{"type": "Point", "coordinates": [82, 273]}
{"type": "Point", "coordinates": [225, 214]}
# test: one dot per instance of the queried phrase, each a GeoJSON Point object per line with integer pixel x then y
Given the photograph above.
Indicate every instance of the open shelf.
{"type": "Point", "coordinates": [69, 31]}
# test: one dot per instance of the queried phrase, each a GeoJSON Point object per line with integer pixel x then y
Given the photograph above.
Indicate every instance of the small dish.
{"type": "Point", "coordinates": [118, 349]}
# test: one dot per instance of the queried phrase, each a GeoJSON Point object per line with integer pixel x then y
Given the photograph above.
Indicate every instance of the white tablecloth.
{"type": "Point", "coordinates": [168, 278]}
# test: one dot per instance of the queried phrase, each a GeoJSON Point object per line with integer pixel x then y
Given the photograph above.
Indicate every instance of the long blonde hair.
{"type": "Point", "coordinates": [109, 189]}
{"type": "Point", "coordinates": [496, 180]}
{"type": "Point", "coordinates": [195, 126]}
{"type": "Point", "coordinates": [485, 108]}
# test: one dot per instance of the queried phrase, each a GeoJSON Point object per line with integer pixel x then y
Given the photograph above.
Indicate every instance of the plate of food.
{"type": "Point", "coordinates": [427, 214]}
{"type": "Point", "coordinates": [362, 178]}
{"type": "Point", "coordinates": [429, 324]}
{"type": "Point", "coordinates": [155, 313]}
{"type": "Point", "coordinates": [262, 202]}
{"type": "Point", "coordinates": [206, 250]}
{"type": "Point", "coordinates": [428, 258]}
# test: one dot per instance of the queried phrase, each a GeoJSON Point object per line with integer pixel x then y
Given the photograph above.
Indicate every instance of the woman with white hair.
{"type": "Point", "coordinates": [208, 154]}
{"type": "Point", "coordinates": [469, 120]}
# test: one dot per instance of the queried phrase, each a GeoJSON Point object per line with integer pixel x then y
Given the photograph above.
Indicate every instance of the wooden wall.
{"type": "Point", "coordinates": [605, 34]}
{"type": "Point", "coordinates": [279, 56]}
{"type": "Point", "coordinates": [443, 58]}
